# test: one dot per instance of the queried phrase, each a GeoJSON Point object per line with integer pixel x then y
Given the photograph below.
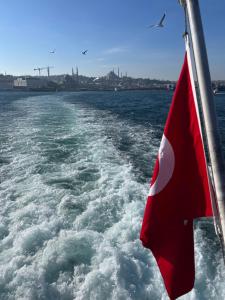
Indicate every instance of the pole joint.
{"type": "Point", "coordinates": [182, 2]}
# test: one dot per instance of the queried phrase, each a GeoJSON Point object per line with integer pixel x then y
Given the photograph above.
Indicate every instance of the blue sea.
{"type": "Point", "coordinates": [74, 177]}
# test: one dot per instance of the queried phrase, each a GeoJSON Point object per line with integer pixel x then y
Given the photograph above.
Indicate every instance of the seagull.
{"type": "Point", "coordinates": [53, 51]}
{"type": "Point", "coordinates": [84, 52]}
{"type": "Point", "coordinates": [160, 24]}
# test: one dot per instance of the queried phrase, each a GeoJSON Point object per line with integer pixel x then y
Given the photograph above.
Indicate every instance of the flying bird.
{"type": "Point", "coordinates": [84, 52]}
{"type": "Point", "coordinates": [160, 24]}
{"type": "Point", "coordinates": [53, 51]}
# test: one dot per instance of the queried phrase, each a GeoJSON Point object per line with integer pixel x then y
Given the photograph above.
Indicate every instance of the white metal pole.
{"type": "Point", "coordinates": [208, 107]}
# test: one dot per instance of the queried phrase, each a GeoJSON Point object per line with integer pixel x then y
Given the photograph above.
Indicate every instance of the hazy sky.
{"type": "Point", "coordinates": [113, 31]}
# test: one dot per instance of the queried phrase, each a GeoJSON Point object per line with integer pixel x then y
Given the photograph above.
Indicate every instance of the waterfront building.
{"type": "Point", "coordinates": [6, 82]}
{"type": "Point", "coordinates": [30, 83]}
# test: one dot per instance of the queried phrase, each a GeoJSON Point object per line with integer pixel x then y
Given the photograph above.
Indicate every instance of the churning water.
{"type": "Point", "coordinates": [74, 172]}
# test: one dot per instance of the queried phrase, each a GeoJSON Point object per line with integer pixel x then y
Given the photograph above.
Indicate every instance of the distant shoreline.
{"type": "Point", "coordinates": [85, 90]}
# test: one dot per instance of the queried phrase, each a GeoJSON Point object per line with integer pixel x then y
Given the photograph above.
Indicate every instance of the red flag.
{"type": "Point", "coordinates": [179, 192]}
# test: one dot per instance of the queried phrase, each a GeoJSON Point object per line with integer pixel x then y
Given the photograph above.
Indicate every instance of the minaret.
{"type": "Point", "coordinates": [72, 72]}
{"type": "Point", "coordinates": [77, 74]}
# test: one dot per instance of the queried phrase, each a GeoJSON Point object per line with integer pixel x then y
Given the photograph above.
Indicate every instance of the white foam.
{"type": "Point", "coordinates": [72, 206]}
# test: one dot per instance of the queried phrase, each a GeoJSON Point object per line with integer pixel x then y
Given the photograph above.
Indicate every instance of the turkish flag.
{"type": "Point", "coordinates": [179, 191]}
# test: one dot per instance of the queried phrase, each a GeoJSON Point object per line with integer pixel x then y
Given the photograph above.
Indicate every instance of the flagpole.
{"type": "Point", "coordinates": [208, 107]}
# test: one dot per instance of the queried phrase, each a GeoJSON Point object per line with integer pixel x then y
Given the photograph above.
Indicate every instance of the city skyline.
{"type": "Point", "coordinates": [115, 34]}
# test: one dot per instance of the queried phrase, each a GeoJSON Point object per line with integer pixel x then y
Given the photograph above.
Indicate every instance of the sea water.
{"type": "Point", "coordinates": [74, 177]}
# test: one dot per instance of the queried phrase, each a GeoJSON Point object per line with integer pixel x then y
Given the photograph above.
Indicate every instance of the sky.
{"type": "Point", "coordinates": [114, 32]}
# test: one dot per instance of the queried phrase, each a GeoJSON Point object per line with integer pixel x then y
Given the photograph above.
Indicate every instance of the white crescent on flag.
{"type": "Point", "coordinates": [166, 159]}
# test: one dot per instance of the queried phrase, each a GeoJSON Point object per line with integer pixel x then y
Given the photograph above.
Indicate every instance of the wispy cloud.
{"type": "Point", "coordinates": [115, 50]}
{"type": "Point", "coordinates": [100, 59]}
{"type": "Point", "coordinates": [106, 66]}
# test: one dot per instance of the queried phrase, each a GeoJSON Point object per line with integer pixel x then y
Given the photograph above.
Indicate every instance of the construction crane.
{"type": "Point", "coordinates": [39, 70]}
{"type": "Point", "coordinates": [44, 68]}
{"type": "Point", "coordinates": [48, 70]}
